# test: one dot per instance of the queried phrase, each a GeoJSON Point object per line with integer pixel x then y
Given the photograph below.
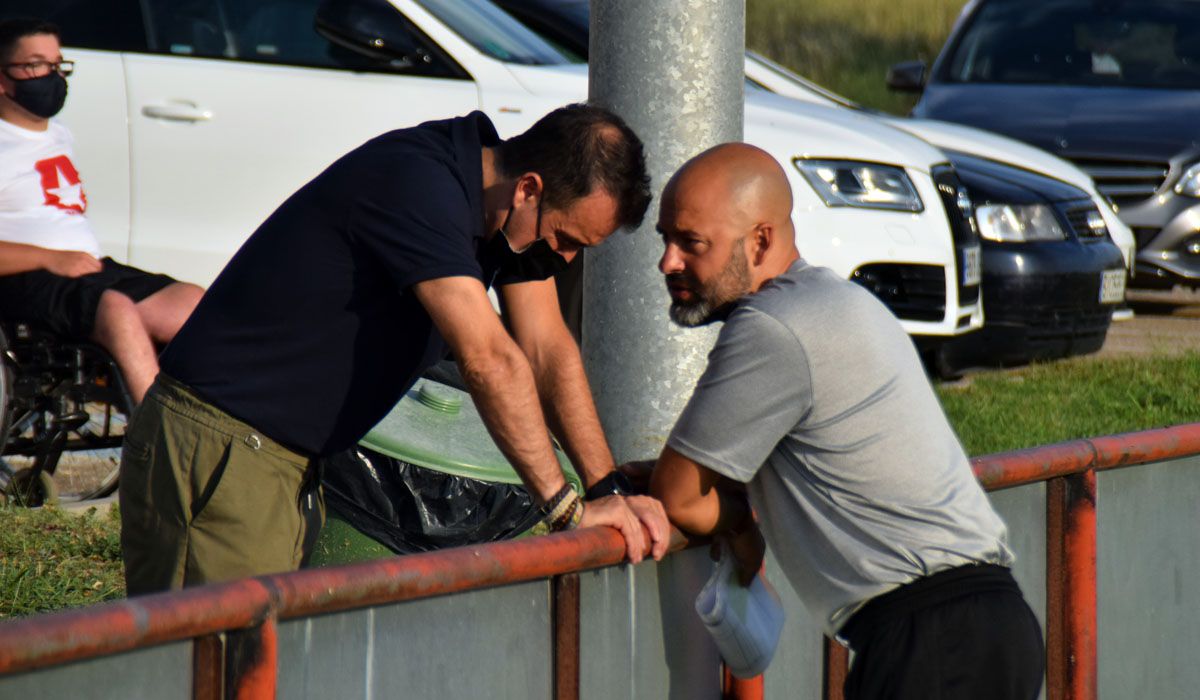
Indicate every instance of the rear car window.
{"type": "Point", "coordinates": [1131, 43]}
{"type": "Point", "coordinates": [268, 31]}
{"type": "Point", "coordinates": [107, 25]}
{"type": "Point", "coordinates": [493, 32]}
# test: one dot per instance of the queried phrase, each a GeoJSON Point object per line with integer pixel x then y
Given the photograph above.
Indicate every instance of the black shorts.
{"type": "Point", "coordinates": [67, 305]}
{"type": "Point", "coordinates": [961, 634]}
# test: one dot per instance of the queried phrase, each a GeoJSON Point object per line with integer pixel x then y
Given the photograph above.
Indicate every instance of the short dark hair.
{"type": "Point", "coordinates": [17, 28]}
{"type": "Point", "coordinates": [576, 149]}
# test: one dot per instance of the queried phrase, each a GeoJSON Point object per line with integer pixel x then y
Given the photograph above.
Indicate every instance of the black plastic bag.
{"type": "Point", "coordinates": [408, 508]}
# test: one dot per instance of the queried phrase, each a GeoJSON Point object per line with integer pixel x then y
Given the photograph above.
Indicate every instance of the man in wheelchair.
{"type": "Point", "coordinates": [52, 275]}
{"type": "Point", "coordinates": [78, 333]}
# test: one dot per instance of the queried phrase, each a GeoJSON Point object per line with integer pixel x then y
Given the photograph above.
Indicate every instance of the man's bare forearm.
{"type": "Point", "coordinates": [570, 411]}
{"type": "Point", "coordinates": [502, 386]}
{"type": "Point", "coordinates": [697, 499]}
{"type": "Point", "coordinates": [16, 258]}
{"type": "Point", "coordinates": [498, 376]}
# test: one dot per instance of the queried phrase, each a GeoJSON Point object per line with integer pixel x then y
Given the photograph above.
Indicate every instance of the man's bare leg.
{"type": "Point", "coordinates": [130, 331]}
{"type": "Point", "coordinates": [164, 312]}
{"type": "Point", "coordinates": [119, 329]}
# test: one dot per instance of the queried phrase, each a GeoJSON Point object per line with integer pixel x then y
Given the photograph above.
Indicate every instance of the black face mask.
{"type": "Point", "coordinates": [42, 96]}
{"type": "Point", "coordinates": [538, 261]}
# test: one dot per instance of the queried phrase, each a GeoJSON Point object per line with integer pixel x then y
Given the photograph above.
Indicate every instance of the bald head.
{"type": "Point", "coordinates": [735, 181]}
{"type": "Point", "coordinates": [726, 223]}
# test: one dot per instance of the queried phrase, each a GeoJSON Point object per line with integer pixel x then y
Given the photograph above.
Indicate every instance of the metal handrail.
{"type": "Point", "coordinates": [255, 604]}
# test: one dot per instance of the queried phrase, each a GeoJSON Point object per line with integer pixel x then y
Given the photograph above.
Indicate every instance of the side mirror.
{"type": "Point", "coordinates": [908, 76]}
{"type": "Point", "coordinates": [371, 28]}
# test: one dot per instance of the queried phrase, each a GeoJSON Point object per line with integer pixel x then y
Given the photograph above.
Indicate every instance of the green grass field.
{"type": "Point", "coordinates": [848, 46]}
{"type": "Point", "coordinates": [1083, 397]}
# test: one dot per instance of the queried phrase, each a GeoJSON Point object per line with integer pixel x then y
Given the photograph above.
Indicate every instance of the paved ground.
{"type": "Point", "coordinates": [1163, 323]}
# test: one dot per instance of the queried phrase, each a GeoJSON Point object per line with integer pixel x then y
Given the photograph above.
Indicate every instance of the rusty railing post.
{"type": "Point", "coordinates": [1071, 643]}
{"type": "Point", "coordinates": [734, 688]}
{"type": "Point", "coordinates": [251, 664]}
{"type": "Point", "coordinates": [837, 667]}
{"type": "Point", "coordinates": [565, 598]}
{"type": "Point", "coordinates": [208, 667]}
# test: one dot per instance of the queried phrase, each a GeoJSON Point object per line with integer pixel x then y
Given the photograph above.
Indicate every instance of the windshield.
{"type": "Point", "coordinates": [1125, 43]}
{"type": "Point", "coordinates": [493, 32]}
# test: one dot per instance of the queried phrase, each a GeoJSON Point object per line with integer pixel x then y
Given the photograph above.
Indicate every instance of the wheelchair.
{"type": "Point", "coordinates": [57, 397]}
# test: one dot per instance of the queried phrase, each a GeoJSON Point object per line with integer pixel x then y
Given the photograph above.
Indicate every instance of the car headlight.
{"type": "Point", "coordinates": [847, 183]}
{"type": "Point", "coordinates": [1017, 223]}
{"type": "Point", "coordinates": [1189, 183]}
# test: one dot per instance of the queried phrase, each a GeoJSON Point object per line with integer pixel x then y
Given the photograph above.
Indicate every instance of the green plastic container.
{"type": "Point", "coordinates": [435, 427]}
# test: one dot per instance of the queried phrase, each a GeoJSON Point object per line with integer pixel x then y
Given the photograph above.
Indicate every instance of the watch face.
{"type": "Point", "coordinates": [614, 483]}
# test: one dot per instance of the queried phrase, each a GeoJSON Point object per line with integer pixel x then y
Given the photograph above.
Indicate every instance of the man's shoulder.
{"type": "Point", "coordinates": [439, 139]}
{"type": "Point", "coordinates": [801, 287]}
{"type": "Point", "coordinates": [808, 298]}
{"type": "Point", "coordinates": [56, 132]}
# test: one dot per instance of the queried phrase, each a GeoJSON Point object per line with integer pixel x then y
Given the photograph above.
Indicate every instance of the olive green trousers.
{"type": "Point", "coordinates": [205, 497]}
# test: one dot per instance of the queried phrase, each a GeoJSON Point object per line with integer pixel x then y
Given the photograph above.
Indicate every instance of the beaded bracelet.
{"type": "Point", "coordinates": [562, 512]}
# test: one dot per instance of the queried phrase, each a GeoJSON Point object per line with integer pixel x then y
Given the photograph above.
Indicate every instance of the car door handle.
{"type": "Point", "coordinates": [178, 112]}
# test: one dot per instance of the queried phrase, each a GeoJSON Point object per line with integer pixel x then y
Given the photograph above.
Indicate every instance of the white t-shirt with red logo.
{"type": "Point", "coordinates": [42, 202]}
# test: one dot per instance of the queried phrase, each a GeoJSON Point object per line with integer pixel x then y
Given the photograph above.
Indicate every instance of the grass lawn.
{"type": "Point", "coordinates": [52, 559]}
{"type": "Point", "coordinates": [848, 46]}
{"type": "Point", "coordinates": [1083, 397]}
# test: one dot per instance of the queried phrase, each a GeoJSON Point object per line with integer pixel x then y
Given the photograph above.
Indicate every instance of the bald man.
{"type": "Point", "coordinates": [814, 409]}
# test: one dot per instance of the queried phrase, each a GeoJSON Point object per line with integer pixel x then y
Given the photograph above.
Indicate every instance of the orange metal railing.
{"type": "Point", "coordinates": [233, 625]}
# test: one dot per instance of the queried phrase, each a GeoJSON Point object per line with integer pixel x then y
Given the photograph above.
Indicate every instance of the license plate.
{"type": "Point", "coordinates": [1112, 286]}
{"type": "Point", "coordinates": [970, 266]}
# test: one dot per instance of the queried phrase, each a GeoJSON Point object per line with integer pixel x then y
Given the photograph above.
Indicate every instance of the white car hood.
{"type": "Point", "coordinates": [818, 131]}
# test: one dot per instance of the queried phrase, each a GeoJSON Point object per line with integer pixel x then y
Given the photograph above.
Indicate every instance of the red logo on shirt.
{"type": "Point", "coordinates": [60, 183]}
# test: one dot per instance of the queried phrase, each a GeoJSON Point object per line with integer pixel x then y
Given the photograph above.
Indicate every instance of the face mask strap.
{"type": "Point", "coordinates": [537, 232]}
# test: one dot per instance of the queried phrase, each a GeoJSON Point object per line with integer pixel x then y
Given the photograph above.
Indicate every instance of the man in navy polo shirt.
{"type": "Point", "coordinates": [331, 310]}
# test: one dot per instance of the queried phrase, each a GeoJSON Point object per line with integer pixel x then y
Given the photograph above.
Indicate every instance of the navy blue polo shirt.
{"type": "Point", "coordinates": [311, 333]}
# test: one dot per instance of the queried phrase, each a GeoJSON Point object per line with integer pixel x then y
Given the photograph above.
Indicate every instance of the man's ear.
{"type": "Point", "coordinates": [761, 241]}
{"type": "Point", "coordinates": [529, 188]}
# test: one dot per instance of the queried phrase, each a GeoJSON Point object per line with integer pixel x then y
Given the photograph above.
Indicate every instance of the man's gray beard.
{"type": "Point", "coordinates": [717, 301]}
{"type": "Point", "coordinates": [699, 313]}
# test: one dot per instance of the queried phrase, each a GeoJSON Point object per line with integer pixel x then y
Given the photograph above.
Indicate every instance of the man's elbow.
{"type": "Point", "coordinates": [497, 364]}
{"type": "Point", "coordinates": [552, 352]}
{"type": "Point", "coordinates": [679, 506]}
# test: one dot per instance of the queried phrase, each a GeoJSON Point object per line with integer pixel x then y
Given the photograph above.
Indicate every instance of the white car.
{"type": "Point", "coordinates": [193, 121]}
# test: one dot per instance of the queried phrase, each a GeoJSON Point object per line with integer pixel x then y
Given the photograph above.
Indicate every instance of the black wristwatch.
{"type": "Point", "coordinates": [615, 483]}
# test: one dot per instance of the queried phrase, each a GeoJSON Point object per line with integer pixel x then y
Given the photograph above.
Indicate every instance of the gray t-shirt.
{"type": "Point", "coordinates": [815, 398]}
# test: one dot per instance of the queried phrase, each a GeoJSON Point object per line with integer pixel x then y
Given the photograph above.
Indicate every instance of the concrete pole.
{"type": "Point", "coordinates": [675, 70]}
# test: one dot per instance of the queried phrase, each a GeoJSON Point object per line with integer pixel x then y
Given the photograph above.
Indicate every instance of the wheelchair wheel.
{"type": "Point", "coordinates": [24, 489]}
{"type": "Point", "coordinates": [67, 407]}
{"type": "Point", "coordinates": [107, 462]}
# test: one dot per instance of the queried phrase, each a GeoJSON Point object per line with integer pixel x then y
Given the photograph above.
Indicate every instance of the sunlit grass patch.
{"type": "Point", "coordinates": [50, 559]}
{"type": "Point", "coordinates": [1083, 397]}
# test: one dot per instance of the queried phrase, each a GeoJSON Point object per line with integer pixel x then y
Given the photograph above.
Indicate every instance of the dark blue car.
{"type": "Point", "coordinates": [1113, 85]}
